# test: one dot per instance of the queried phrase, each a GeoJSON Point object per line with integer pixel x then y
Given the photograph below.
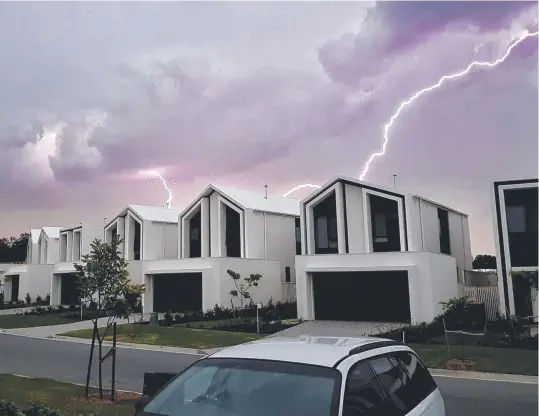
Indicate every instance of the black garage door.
{"type": "Point", "coordinates": [70, 290]}
{"type": "Point", "coordinates": [362, 296]}
{"type": "Point", "coordinates": [177, 292]}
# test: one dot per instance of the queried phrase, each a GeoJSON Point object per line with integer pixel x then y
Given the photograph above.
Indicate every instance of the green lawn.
{"type": "Point", "coordinates": [29, 321]}
{"type": "Point", "coordinates": [64, 397]}
{"type": "Point", "coordinates": [174, 336]}
{"type": "Point", "coordinates": [489, 359]}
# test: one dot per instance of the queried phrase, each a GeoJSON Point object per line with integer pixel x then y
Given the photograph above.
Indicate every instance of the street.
{"type": "Point", "coordinates": [67, 361]}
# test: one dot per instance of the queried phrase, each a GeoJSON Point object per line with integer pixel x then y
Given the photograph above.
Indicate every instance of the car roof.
{"type": "Point", "coordinates": [322, 351]}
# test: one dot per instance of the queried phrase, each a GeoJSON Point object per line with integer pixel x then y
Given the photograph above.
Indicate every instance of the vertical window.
{"type": "Point", "coordinates": [322, 232]}
{"type": "Point", "coordinates": [443, 221]}
{"type": "Point", "coordinates": [287, 278]}
{"type": "Point", "coordinates": [298, 236]}
{"type": "Point", "coordinates": [516, 219]}
{"type": "Point", "coordinates": [363, 395]}
{"type": "Point", "coordinates": [332, 233]}
{"type": "Point", "coordinates": [380, 228]}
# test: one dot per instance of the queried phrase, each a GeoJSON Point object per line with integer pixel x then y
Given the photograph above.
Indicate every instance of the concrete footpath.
{"type": "Point", "coordinates": [472, 375]}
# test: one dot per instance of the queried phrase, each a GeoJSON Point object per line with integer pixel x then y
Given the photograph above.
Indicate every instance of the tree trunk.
{"type": "Point", "coordinates": [100, 367]}
{"type": "Point", "coordinates": [90, 361]}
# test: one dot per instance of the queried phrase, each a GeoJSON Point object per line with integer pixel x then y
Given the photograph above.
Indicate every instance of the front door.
{"type": "Point", "coordinates": [15, 288]}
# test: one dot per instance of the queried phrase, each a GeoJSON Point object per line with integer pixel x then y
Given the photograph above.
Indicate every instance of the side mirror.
{"type": "Point", "coordinates": [141, 402]}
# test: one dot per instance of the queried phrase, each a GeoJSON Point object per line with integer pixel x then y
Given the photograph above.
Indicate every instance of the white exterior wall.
{"type": "Point", "coordinates": [356, 223]}
{"type": "Point", "coordinates": [432, 278]}
{"type": "Point", "coordinates": [32, 252]}
{"type": "Point", "coordinates": [160, 240]}
{"type": "Point", "coordinates": [424, 221]}
{"type": "Point", "coordinates": [34, 279]}
{"type": "Point", "coordinates": [216, 283]}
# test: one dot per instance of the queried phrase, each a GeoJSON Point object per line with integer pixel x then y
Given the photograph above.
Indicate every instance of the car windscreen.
{"type": "Point", "coordinates": [247, 387]}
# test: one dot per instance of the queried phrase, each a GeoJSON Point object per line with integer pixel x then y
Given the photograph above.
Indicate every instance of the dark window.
{"type": "Point", "coordinates": [195, 245]}
{"type": "Point", "coordinates": [404, 378]}
{"type": "Point", "coordinates": [287, 275]}
{"type": "Point", "coordinates": [298, 237]}
{"type": "Point", "coordinates": [15, 288]}
{"type": "Point", "coordinates": [232, 233]}
{"type": "Point", "coordinates": [325, 226]}
{"type": "Point", "coordinates": [136, 241]}
{"type": "Point", "coordinates": [521, 216]}
{"type": "Point", "coordinates": [392, 378]}
{"type": "Point", "coordinates": [384, 224]}
{"type": "Point", "coordinates": [363, 394]}
{"type": "Point", "coordinates": [420, 383]}
{"type": "Point", "coordinates": [445, 242]}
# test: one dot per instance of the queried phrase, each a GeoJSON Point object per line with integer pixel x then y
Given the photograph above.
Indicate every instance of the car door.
{"type": "Point", "coordinates": [408, 384]}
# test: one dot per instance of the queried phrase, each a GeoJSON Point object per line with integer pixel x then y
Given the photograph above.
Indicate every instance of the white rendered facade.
{"type": "Point", "coordinates": [354, 228]}
{"type": "Point", "coordinates": [34, 277]}
{"type": "Point", "coordinates": [225, 228]}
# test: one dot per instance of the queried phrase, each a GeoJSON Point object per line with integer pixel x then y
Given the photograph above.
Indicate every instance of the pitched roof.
{"type": "Point", "coordinates": [402, 192]}
{"type": "Point", "coordinates": [153, 213]}
{"type": "Point", "coordinates": [34, 235]}
{"type": "Point", "coordinates": [52, 232]}
{"type": "Point", "coordinates": [251, 200]}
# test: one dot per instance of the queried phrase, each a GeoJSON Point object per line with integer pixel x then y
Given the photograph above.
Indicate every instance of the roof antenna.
{"type": "Point", "coordinates": [266, 191]}
{"type": "Point", "coordinates": [395, 180]}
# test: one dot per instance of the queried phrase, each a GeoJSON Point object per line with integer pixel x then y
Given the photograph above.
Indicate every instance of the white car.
{"type": "Point", "coordinates": [306, 376]}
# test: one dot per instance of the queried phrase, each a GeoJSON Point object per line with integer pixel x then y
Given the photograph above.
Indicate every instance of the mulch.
{"type": "Point", "coordinates": [461, 365]}
{"type": "Point", "coordinates": [119, 396]}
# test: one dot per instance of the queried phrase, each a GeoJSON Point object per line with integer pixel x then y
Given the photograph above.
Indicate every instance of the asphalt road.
{"type": "Point", "coordinates": [66, 361]}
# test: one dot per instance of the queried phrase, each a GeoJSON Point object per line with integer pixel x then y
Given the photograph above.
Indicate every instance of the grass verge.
{"type": "Point", "coordinates": [174, 336]}
{"type": "Point", "coordinates": [30, 321]}
{"type": "Point", "coordinates": [488, 359]}
{"type": "Point", "coordinates": [66, 398]}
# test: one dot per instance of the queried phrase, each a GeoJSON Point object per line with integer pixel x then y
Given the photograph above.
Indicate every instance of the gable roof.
{"type": "Point", "coordinates": [34, 235]}
{"type": "Point", "coordinates": [52, 232]}
{"type": "Point", "coordinates": [336, 179]}
{"type": "Point", "coordinates": [251, 200]}
{"type": "Point", "coordinates": [149, 213]}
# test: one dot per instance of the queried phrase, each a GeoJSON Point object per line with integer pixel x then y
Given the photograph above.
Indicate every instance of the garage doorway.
{"type": "Point", "coordinates": [70, 293]}
{"type": "Point", "coordinates": [362, 296]}
{"type": "Point", "coordinates": [177, 292]}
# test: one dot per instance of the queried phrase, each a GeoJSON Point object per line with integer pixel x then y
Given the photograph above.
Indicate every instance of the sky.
{"type": "Point", "coordinates": [93, 95]}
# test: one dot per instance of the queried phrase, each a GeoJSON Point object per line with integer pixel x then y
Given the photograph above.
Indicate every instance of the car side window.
{"type": "Point", "coordinates": [392, 377]}
{"type": "Point", "coordinates": [420, 383]}
{"type": "Point", "coordinates": [363, 394]}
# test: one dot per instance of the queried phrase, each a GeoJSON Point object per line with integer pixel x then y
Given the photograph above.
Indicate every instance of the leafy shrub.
{"type": "Point", "coordinates": [9, 409]}
{"type": "Point", "coordinates": [39, 300]}
{"type": "Point", "coordinates": [39, 410]}
{"type": "Point", "coordinates": [48, 299]}
{"type": "Point", "coordinates": [28, 299]}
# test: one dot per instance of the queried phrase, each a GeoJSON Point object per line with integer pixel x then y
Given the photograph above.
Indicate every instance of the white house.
{"type": "Point", "coordinates": [34, 276]}
{"type": "Point", "coordinates": [515, 230]}
{"type": "Point", "coordinates": [225, 228]}
{"type": "Point", "coordinates": [74, 242]}
{"type": "Point", "coordinates": [376, 254]}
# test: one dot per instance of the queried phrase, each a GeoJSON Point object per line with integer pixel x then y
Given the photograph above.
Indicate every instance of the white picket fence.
{"type": "Point", "coordinates": [486, 294]}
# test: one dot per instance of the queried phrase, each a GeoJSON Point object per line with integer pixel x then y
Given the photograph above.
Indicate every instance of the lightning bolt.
{"type": "Point", "coordinates": [167, 201]}
{"type": "Point", "coordinates": [305, 185]}
{"type": "Point", "coordinates": [441, 81]}
{"type": "Point", "coordinates": [418, 94]}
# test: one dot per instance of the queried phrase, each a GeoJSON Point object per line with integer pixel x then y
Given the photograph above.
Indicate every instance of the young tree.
{"type": "Point", "coordinates": [104, 279]}
{"type": "Point", "coordinates": [484, 262]}
{"type": "Point", "coordinates": [242, 288]}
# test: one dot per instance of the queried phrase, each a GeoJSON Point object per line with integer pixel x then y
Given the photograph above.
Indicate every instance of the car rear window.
{"type": "Point", "coordinates": [237, 387]}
